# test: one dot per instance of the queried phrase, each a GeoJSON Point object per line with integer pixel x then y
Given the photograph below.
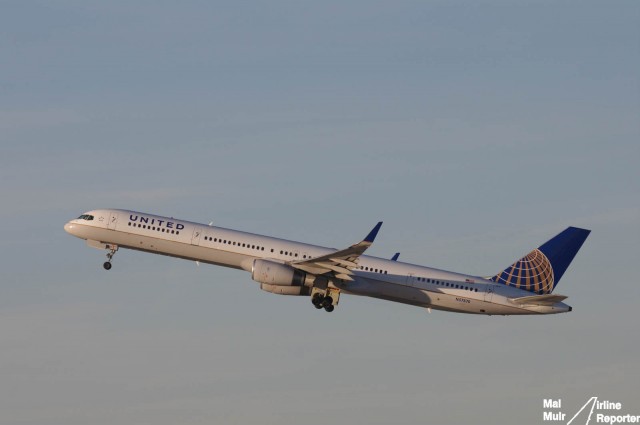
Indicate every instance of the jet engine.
{"type": "Point", "coordinates": [276, 274]}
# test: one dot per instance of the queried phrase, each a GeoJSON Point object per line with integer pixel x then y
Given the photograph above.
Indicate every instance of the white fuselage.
{"type": "Point", "coordinates": [374, 277]}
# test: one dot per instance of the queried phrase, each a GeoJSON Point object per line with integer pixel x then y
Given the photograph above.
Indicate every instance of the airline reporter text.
{"type": "Point", "coordinates": [619, 419]}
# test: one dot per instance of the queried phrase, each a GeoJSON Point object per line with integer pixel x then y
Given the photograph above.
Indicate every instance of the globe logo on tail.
{"type": "Point", "coordinates": [532, 272]}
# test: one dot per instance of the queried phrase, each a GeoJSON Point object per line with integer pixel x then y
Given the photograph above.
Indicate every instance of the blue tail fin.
{"type": "Point", "coordinates": [540, 270]}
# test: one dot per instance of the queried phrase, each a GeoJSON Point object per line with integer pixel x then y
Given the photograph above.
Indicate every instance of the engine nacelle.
{"type": "Point", "coordinates": [285, 290]}
{"type": "Point", "coordinates": [276, 274]}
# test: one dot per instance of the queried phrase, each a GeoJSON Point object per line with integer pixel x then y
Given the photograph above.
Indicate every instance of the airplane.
{"type": "Point", "coordinates": [286, 267]}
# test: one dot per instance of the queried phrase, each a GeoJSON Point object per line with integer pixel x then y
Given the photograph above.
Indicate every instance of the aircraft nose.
{"type": "Point", "coordinates": [68, 228]}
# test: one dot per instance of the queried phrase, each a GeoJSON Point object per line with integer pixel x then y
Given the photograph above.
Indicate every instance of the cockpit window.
{"type": "Point", "coordinates": [85, 217]}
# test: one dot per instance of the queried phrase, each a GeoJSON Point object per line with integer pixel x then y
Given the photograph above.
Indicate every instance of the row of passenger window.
{"type": "Point", "coordinates": [156, 228]}
{"type": "Point", "coordinates": [234, 243]}
{"type": "Point", "coordinates": [212, 239]}
{"type": "Point", "coordinates": [292, 254]}
{"type": "Point", "coordinates": [371, 269]}
{"type": "Point", "coordinates": [256, 247]}
{"type": "Point", "coordinates": [447, 284]}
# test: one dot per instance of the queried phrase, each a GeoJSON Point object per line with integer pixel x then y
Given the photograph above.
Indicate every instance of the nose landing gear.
{"type": "Point", "coordinates": [112, 250]}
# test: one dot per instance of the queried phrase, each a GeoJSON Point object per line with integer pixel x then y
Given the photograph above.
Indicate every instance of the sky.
{"type": "Point", "coordinates": [476, 130]}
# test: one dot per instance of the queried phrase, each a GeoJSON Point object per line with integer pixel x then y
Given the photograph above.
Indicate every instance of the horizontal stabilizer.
{"type": "Point", "coordinates": [548, 299]}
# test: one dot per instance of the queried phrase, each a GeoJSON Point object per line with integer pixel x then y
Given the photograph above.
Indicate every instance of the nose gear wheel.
{"type": "Point", "coordinates": [112, 251]}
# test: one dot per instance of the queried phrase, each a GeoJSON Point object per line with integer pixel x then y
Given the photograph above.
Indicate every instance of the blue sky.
{"type": "Point", "coordinates": [475, 130]}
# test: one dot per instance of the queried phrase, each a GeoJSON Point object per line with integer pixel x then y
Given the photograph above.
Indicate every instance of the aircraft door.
{"type": "Point", "coordinates": [197, 234]}
{"type": "Point", "coordinates": [488, 294]}
{"type": "Point", "coordinates": [113, 220]}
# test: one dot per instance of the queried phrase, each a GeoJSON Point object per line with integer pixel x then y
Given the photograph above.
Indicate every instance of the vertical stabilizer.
{"type": "Point", "coordinates": [540, 270]}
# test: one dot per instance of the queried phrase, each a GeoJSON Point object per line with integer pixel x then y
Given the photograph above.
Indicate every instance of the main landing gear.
{"type": "Point", "coordinates": [327, 298]}
{"type": "Point", "coordinates": [112, 250]}
{"type": "Point", "coordinates": [320, 301]}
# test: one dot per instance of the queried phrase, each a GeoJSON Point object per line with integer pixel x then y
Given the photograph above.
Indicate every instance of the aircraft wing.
{"type": "Point", "coordinates": [341, 262]}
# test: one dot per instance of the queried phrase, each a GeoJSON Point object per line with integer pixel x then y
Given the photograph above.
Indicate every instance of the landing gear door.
{"type": "Point", "coordinates": [113, 220]}
{"type": "Point", "coordinates": [197, 234]}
